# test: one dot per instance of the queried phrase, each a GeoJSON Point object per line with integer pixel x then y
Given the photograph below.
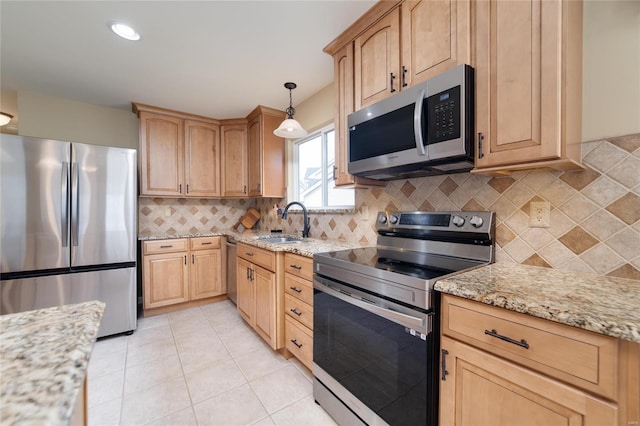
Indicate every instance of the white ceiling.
{"type": "Point", "coordinates": [213, 58]}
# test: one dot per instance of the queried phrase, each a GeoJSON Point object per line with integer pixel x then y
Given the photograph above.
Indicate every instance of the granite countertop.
{"type": "Point", "coordinates": [306, 247]}
{"type": "Point", "coordinates": [44, 355]}
{"type": "Point", "coordinates": [605, 305]}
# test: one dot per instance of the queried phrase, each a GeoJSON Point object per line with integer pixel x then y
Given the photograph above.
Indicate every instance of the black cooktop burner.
{"type": "Point", "coordinates": [417, 271]}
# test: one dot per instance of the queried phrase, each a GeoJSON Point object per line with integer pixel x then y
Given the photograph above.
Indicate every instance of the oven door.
{"type": "Point", "coordinates": [375, 357]}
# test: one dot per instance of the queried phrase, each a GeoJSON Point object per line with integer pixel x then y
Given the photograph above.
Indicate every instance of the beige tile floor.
{"type": "Point", "coordinates": [199, 366]}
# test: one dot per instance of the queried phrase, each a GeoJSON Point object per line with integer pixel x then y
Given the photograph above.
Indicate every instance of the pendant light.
{"type": "Point", "coordinates": [5, 118]}
{"type": "Point", "coordinates": [290, 128]}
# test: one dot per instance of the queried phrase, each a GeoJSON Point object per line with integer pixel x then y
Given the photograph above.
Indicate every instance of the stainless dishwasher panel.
{"type": "Point", "coordinates": [231, 269]}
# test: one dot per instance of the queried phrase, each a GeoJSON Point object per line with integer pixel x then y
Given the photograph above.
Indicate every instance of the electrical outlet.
{"type": "Point", "coordinates": [167, 212]}
{"type": "Point", "coordinates": [540, 214]}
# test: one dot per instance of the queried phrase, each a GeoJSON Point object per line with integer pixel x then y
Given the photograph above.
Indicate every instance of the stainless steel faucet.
{"type": "Point", "coordinates": [307, 226]}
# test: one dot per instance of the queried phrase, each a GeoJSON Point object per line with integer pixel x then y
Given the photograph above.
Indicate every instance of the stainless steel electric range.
{"type": "Point", "coordinates": [376, 315]}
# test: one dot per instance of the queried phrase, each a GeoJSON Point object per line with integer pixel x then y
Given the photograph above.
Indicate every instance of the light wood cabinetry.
{"type": "Point", "coordinates": [165, 272]}
{"type": "Point", "coordinates": [377, 61]}
{"type": "Point", "coordinates": [266, 153]}
{"type": "Point", "coordinates": [499, 367]}
{"type": "Point", "coordinates": [298, 307]}
{"type": "Point", "coordinates": [181, 270]}
{"type": "Point", "coordinates": [394, 45]}
{"type": "Point", "coordinates": [259, 292]}
{"type": "Point", "coordinates": [528, 67]}
{"type": "Point", "coordinates": [234, 151]}
{"type": "Point", "coordinates": [179, 154]}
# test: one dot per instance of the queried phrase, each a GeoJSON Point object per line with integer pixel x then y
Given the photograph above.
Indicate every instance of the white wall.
{"type": "Point", "coordinates": [611, 69]}
{"type": "Point", "coordinates": [58, 118]}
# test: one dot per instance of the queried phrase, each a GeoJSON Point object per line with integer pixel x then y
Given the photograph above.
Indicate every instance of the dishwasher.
{"type": "Point", "coordinates": [231, 269]}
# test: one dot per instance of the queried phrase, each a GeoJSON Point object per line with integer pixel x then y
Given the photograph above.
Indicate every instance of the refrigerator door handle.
{"type": "Point", "coordinates": [75, 208]}
{"type": "Point", "coordinates": [64, 204]}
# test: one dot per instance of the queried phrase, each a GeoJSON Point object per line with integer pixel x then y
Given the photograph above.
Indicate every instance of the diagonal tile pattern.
{"type": "Point", "coordinates": [236, 380]}
{"type": "Point", "coordinates": [603, 201]}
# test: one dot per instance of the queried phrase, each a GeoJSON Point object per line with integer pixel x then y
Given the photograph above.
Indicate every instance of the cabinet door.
{"type": "Point", "coordinates": [435, 37]}
{"type": "Point", "coordinates": [246, 296]}
{"type": "Point", "coordinates": [481, 389]}
{"type": "Point", "coordinates": [166, 279]}
{"type": "Point", "coordinates": [377, 61]}
{"type": "Point", "coordinates": [206, 274]}
{"type": "Point", "coordinates": [202, 159]}
{"type": "Point", "coordinates": [161, 155]}
{"type": "Point", "coordinates": [343, 87]}
{"type": "Point", "coordinates": [520, 72]}
{"type": "Point", "coordinates": [255, 157]}
{"type": "Point", "coordinates": [234, 149]}
{"type": "Point", "coordinates": [264, 282]}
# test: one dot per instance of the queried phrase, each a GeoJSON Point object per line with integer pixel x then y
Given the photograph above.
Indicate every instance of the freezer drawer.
{"type": "Point", "coordinates": [115, 287]}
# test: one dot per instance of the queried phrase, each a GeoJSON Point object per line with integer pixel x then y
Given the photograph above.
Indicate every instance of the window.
{"type": "Point", "coordinates": [314, 158]}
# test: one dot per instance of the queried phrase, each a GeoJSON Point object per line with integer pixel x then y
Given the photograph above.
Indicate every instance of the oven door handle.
{"type": "Point", "coordinates": [398, 317]}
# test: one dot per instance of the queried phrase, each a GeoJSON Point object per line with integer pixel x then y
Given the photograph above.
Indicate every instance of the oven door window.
{"type": "Point", "coordinates": [377, 360]}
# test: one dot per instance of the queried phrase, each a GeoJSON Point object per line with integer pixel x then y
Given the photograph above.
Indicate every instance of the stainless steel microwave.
{"type": "Point", "coordinates": [424, 130]}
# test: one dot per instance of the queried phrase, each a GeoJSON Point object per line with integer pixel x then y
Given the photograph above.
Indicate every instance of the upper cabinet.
{"type": "Point", "coordinates": [179, 156]}
{"type": "Point", "coordinates": [527, 57]}
{"type": "Point", "coordinates": [184, 155]}
{"type": "Point", "coordinates": [528, 63]}
{"type": "Point", "coordinates": [266, 153]}
{"type": "Point", "coordinates": [234, 151]}
{"type": "Point", "coordinates": [409, 44]}
{"type": "Point", "coordinates": [393, 46]}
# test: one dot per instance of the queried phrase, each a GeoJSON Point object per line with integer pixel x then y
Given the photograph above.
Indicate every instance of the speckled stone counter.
{"type": "Point", "coordinates": [44, 356]}
{"type": "Point", "coordinates": [306, 247]}
{"type": "Point", "coordinates": [605, 305]}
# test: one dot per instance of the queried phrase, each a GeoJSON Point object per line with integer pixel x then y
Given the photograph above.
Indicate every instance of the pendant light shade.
{"type": "Point", "coordinates": [290, 128]}
{"type": "Point", "coordinates": [5, 118]}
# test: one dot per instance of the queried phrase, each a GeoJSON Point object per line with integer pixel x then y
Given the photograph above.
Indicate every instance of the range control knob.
{"type": "Point", "coordinates": [476, 221]}
{"type": "Point", "coordinates": [382, 219]}
{"type": "Point", "coordinates": [458, 221]}
{"type": "Point", "coordinates": [393, 219]}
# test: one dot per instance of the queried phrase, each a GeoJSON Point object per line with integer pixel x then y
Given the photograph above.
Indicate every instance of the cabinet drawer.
{"type": "Point", "coordinates": [299, 288]}
{"type": "Point", "coordinates": [580, 357]}
{"type": "Point", "coordinates": [164, 246]}
{"type": "Point", "coordinates": [299, 265]}
{"type": "Point", "coordinates": [299, 341]}
{"type": "Point", "coordinates": [258, 256]}
{"type": "Point", "coordinates": [204, 243]}
{"type": "Point", "coordinates": [299, 310]}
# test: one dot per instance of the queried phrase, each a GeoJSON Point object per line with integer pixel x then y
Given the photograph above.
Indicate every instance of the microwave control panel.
{"type": "Point", "coordinates": [443, 116]}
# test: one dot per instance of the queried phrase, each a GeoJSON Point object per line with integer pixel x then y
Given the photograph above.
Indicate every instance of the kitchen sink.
{"type": "Point", "coordinates": [281, 240]}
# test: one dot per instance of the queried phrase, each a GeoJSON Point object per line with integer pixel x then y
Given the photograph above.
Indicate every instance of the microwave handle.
{"type": "Point", "coordinates": [417, 124]}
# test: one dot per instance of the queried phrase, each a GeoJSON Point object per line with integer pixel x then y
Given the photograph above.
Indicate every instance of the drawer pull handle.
{"type": "Point", "coordinates": [208, 243]}
{"type": "Point", "coordinates": [296, 267]}
{"type": "Point", "coordinates": [522, 343]}
{"type": "Point", "coordinates": [169, 246]}
{"type": "Point", "coordinates": [295, 342]}
{"type": "Point", "coordinates": [249, 254]}
{"type": "Point", "coordinates": [296, 289]}
{"type": "Point", "coordinates": [295, 311]}
{"type": "Point", "coordinates": [445, 373]}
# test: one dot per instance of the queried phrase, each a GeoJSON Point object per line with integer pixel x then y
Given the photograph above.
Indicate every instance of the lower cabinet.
{"type": "Point", "coordinates": [259, 297]}
{"type": "Point", "coordinates": [500, 367]}
{"type": "Point", "coordinates": [181, 270]}
{"type": "Point", "coordinates": [298, 307]}
{"type": "Point", "coordinates": [482, 389]}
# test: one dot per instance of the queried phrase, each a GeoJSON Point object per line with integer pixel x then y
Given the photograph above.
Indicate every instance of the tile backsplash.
{"type": "Point", "coordinates": [595, 213]}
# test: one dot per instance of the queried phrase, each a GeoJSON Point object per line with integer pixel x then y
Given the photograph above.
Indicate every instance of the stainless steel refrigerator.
{"type": "Point", "coordinates": [68, 227]}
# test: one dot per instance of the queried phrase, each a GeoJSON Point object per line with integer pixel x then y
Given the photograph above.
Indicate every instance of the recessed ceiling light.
{"type": "Point", "coordinates": [125, 31]}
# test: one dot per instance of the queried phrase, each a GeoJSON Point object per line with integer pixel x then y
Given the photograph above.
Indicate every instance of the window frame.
{"type": "Point", "coordinates": [327, 171]}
